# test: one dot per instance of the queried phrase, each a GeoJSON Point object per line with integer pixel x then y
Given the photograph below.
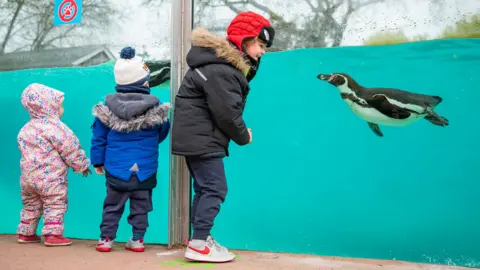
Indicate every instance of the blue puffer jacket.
{"type": "Point", "coordinates": [126, 134]}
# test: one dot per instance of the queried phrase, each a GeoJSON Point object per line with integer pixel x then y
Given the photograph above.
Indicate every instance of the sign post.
{"type": "Point", "coordinates": [67, 12]}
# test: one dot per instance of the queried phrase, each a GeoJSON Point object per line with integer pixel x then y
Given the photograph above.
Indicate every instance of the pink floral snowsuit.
{"type": "Point", "coordinates": [48, 149]}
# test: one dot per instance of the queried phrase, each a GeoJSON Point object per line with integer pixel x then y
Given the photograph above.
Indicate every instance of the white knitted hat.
{"type": "Point", "coordinates": [129, 68]}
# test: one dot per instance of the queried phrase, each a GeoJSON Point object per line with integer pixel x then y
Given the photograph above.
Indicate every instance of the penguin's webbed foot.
{"type": "Point", "coordinates": [439, 121]}
{"type": "Point", "coordinates": [435, 119]}
{"type": "Point", "coordinates": [375, 128]}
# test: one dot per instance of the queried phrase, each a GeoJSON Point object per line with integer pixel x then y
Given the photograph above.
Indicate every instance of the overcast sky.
{"type": "Point", "coordinates": [151, 27]}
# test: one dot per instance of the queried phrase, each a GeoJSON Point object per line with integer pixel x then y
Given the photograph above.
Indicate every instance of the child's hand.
{"type": "Point", "coordinates": [250, 132]}
{"type": "Point", "coordinates": [99, 170]}
{"type": "Point", "coordinates": [86, 172]}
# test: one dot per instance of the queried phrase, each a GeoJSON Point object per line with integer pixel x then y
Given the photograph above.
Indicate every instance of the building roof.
{"type": "Point", "coordinates": [61, 57]}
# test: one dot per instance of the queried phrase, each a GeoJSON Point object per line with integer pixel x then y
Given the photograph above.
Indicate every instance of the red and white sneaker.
{"type": "Point", "coordinates": [56, 241]}
{"type": "Point", "coordinates": [104, 245]}
{"type": "Point", "coordinates": [208, 251]}
{"type": "Point", "coordinates": [26, 239]}
{"type": "Point", "coordinates": [135, 246]}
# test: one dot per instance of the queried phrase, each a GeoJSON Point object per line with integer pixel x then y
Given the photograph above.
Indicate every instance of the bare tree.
{"type": "Point", "coordinates": [29, 24]}
{"type": "Point", "coordinates": [15, 6]}
{"type": "Point", "coordinates": [155, 3]}
{"type": "Point", "coordinates": [324, 24]}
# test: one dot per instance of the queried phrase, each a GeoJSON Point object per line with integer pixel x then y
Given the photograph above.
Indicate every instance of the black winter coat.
{"type": "Point", "coordinates": [210, 101]}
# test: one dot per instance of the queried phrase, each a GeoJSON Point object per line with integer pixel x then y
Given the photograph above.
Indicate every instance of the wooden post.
{"type": "Point", "coordinates": [179, 181]}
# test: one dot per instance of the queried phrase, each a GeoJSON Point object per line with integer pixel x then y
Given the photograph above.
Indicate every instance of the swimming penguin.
{"type": "Point", "coordinates": [385, 106]}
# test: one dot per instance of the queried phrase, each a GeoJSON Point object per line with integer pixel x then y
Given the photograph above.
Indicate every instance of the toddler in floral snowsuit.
{"type": "Point", "coordinates": [48, 149]}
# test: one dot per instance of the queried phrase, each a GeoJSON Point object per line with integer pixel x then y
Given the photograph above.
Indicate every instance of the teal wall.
{"type": "Point", "coordinates": [315, 179]}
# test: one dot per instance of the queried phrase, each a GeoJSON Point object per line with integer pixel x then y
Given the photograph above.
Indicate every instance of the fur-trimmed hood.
{"type": "Point", "coordinates": [202, 38]}
{"type": "Point", "coordinates": [131, 112]}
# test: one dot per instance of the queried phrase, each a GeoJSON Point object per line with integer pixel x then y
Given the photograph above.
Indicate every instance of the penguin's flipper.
{"type": "Point", "coordinates": [375, 128]}
{"type": "Point", "coordinates": [435, 119]}
{"type": "Point", "coordinates": [381, 104]}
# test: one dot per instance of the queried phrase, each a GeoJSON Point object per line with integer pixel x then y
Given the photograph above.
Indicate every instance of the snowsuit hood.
{"type": "Point", "coordinates": [42, 101]}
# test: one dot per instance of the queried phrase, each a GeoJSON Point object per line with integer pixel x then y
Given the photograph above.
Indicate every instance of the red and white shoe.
{"type": "Point", "coordinates": [135, 246]}
{"type": "Point", "coordinates": [56, 241]}
{"type": "Point", "coordinates": [208, 251]}
{"type": "Point", "coordinates": [26, 239]}
{"type": "Point", "coordinates": [104, 245]}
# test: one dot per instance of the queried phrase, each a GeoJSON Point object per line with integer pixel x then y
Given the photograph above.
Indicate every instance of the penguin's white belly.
{"type": "Point", "coordinates": [374, 116]}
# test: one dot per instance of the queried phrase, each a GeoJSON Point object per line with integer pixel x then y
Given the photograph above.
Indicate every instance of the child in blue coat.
{"type": "Point", "coordinates": [126, 134]}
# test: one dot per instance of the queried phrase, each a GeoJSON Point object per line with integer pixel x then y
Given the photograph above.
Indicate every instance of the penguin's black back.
{"type": "Point", "coordinates": [402, 96]}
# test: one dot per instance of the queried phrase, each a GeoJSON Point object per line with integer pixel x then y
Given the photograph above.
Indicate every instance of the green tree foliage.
{"type": "Point", "coordinates": [387, 38]}
{"type": "Point", "coordinates": [465, 28]}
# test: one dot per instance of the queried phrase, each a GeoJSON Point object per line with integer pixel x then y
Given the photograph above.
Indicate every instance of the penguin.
{"type": "Point", "coordinates": [385, 106]}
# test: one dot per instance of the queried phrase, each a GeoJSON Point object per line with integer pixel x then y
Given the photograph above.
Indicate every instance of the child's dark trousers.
{"type": "Point", "coordinates": [114, 205]}
{"type": "Point", "coordinates": [210, 186]}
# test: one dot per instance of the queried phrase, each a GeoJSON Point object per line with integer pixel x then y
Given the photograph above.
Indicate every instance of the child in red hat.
{"type": "Point", "coordinates": [209, 113]}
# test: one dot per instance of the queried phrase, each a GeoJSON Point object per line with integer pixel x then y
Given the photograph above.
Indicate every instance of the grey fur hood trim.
{"type": "Point", "coordinates": [153, 117]}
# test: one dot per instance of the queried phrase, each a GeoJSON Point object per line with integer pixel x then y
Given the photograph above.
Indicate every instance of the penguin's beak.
{"type": "Point", "coordinates": [325, 77]}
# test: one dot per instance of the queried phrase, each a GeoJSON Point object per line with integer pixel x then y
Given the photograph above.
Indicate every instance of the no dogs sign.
{"type": "Point", "coordinates": [67, 12]}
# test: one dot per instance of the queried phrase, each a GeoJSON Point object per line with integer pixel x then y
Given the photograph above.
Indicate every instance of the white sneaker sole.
{"type": "Point", "coordinates": [206, 258]}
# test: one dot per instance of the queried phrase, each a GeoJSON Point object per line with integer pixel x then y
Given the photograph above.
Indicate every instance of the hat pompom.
{"type": "Point", "coordinates": [127, 53]}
